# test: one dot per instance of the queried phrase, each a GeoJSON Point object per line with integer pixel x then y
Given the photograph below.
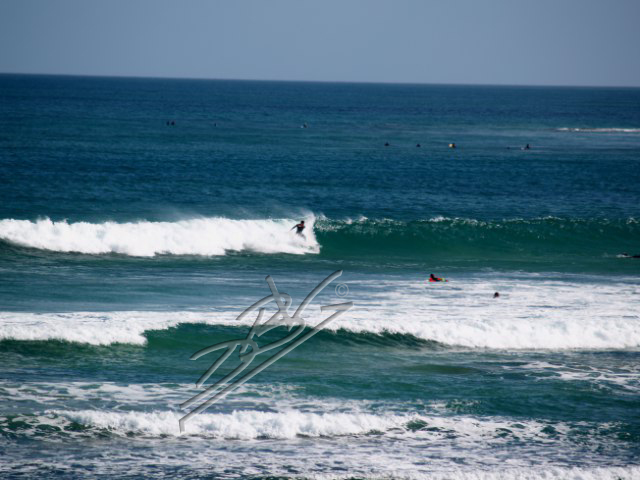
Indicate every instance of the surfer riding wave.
{"type": "Point", "coordinates": [300, 227]}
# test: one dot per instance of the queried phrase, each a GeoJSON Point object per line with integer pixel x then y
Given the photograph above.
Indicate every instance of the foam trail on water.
{"type": "Point", "coordinates": [200, 236]}
{"type": "Point", "coordinates": [600, 130]}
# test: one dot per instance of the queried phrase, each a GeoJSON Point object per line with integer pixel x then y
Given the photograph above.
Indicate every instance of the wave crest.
{"type": "Point", "coordinates": [532, 313]}
{"type": "Point", "coordinates": [201, 236]}
{"type": "Point", "coordinates": [243, 425]}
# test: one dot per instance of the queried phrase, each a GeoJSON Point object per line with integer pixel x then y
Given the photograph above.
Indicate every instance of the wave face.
{"type": "Point", "coordinates": [203, 236]}
{"type": "Point", "coordinates": [461, 237]}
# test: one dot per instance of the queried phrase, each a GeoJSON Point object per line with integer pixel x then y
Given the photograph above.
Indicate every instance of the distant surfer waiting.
{"type": "Point", "coordinates": [433, 278]}
{"type": "Point", "coordinates": [299, 228]}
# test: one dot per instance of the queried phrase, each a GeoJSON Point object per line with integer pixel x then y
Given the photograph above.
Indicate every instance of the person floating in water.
{"type": "Point", "coordinates": [527, 147]}
{"type": "Point", "coordinates": [300, 227]}
{"type": "Point", "coordinates": [496, 295]}
{"type": "Point", "coordinates": [433, 278]}
{"type": "Point", "coordinates": [626, 255]}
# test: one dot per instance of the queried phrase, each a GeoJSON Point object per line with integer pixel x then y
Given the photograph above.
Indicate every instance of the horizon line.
{"type": "Point", "coordinates": [150, 77]}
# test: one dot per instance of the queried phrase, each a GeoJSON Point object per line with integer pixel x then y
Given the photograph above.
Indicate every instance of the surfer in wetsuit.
{"type": "Point", "coordinates": [433, 278]}
{"type": "Point", "coordinates": [300, 227]}
{"type": "Point", "coordinates": [626, 255]}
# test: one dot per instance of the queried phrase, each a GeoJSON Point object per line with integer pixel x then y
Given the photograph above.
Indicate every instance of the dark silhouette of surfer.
{"type": "Point", "coordinates": [300, 227]}
{"type": "Point", "coordinates": [626, 255]}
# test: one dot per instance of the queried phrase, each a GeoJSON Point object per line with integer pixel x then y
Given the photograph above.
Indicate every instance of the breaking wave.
{"type": "Point", "coordinates": [532, 313]}
{"type": "Point", "coordinates": [437, 237]}
{"type": "Point", "coordinates": [201, 236]}
{"type": "Point", "coordinates": [254, 424]}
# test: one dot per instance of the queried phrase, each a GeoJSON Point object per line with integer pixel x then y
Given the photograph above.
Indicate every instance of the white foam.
{"type": "Point", "coordinates": [600, 130]}
{"type": "Point", "coordinates": [85, 395]}
{"type": "Point", "coordinates": [625, 376]}
{"type": "Point", "coordinates": [200, 236]}
{"type": "Point", "coordinates": [532, 313]}
{"type": "Point", "coordinates": [380, 445]}
{"type": "Point", "coordinates": [243, 425]}
{"type": "Point", "coordinates": [505, 472]}
{"type": "Point", "coordinates": [95, 328]}
{"type": "Point", "coordinates": [461, 432]}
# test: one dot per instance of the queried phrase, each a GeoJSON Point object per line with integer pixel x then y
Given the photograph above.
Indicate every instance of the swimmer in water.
{"type": "Point", "coordinates": [433, 278]}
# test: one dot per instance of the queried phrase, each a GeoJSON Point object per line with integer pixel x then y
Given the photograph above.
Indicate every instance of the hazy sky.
{"type": "Point", "coordinates": [532, 42]}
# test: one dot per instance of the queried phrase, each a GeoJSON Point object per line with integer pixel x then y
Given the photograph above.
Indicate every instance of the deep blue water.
{"type": "Point", "coordinates": [140, 217]}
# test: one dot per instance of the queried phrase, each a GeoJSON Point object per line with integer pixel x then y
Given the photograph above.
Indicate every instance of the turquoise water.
{"type": "Point", "coordinates": [127, 243]}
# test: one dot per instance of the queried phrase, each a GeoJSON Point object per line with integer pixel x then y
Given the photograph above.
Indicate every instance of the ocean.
{"type": "Point", "coordinates": [139, 218]}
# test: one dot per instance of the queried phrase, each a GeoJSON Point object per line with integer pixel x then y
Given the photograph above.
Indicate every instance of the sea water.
{"type": "Point", "coordinates": [140, 217]}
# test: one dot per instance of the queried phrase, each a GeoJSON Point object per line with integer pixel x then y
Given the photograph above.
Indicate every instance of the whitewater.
{"type": "Point", "coordinates": [533, 312]}
{"type": "Point", "coordinates": [199, 236]}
